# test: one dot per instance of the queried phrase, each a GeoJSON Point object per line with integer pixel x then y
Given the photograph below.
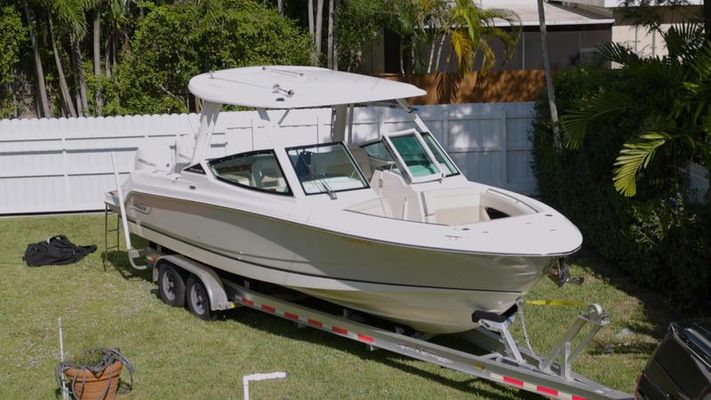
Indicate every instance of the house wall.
{"type": "Point", "coordinates": [53, 165]}
{"type": "Point", "coordinates": [641, 40]}
{"type": "Point", "coordinates": [568, 46]}
{"type": "Point", "coordinates": [501, 86]}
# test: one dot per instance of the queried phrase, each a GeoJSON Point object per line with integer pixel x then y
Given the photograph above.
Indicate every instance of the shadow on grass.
{"type": "Point", "coordinates": [643, 348]}
{"type": "Point", "coordinates": [118, 260]}
{"type": "Point", "coordinates": [658, 312]}
{"type": "Point", "coordinates": [277, 326]}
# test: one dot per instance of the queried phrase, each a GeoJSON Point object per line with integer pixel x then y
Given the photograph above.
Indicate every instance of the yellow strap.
{"type": "Point", "coordinates": [562, 303]}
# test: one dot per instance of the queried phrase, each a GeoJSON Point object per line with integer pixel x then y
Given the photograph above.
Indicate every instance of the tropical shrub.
{"type": "Point", "coordinates": [177, 41]}
{"type": "Point", "coordinates": [653, 237]}
{"type": "Point", "coordinates": [12, 41]}
{"type": "Point", "coordinates": [672, 108]}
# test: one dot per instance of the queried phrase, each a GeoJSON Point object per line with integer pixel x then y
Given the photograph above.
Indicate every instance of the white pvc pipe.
{"type": "Point", "coordinates": [122, 207]}
{"type": "Point", "coordinates": [65, 392]}
{"type": "Point", "coordinates": [259, 377]}
{"type": "Point", "coordinates": [124, 218]}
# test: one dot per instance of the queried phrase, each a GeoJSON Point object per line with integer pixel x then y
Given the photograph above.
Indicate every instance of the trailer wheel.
{"type": "Point", "coordinates": [197, 299]}
{"type": "Point", "coordinates": [171, 286]}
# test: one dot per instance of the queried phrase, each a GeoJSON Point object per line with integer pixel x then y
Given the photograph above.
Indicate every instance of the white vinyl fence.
{"type": "Point", "coordinates": [52, 165]}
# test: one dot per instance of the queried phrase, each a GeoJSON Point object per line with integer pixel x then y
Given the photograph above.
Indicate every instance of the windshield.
{"type": "Point", "coordinates": [413, 155]}
{"type": "Point", "coordinates": [445, 163]}
{"type": "Point", "coordinates": [325, 168]}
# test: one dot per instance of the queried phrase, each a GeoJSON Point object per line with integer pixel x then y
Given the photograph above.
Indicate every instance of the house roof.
{"type": "Point", "coordinates": [556, 14]}
{"type": "Point", "coordinates": [284, 87]}
{"type": "Point", "coordinates": [616, 3]}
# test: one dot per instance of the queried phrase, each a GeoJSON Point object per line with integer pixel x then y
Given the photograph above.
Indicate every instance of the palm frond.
{"type": "Point", "coordinates": [616, 52]}
{"type": "Point", "coordinates": [702, 63]}
{"type": "Point", "coordinates": [463, 49]}
{"type": "Point", "coordinates": [684, 40]}
{"type": "Point", "coordinates": [576, 122]}
{"type": "Point", "coordinates": [635, 156]}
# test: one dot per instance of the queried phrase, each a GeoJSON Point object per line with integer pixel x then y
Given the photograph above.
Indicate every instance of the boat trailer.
{"type": "Point", "coordinates": [505, 361]}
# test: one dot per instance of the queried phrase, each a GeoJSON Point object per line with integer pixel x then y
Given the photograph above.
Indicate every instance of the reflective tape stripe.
{"type": "Point", "coordinates": [291, 316]}
{"type": "Point", "coordinates": [544, 390]}
{"type": "Point", "coordinates": [364, 338]}
{"type": "Point", "coordinates": [547, 390]}
{"type": "Point", "coordinates": [512, 381]}
{"type": "Point", "coordinates": [340, 331]}
{"type": "Point", "coordinates": [317, 324]}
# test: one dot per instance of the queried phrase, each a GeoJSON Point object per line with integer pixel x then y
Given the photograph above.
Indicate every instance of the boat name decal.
{"type": "Point", "coordinates": [142, 208]}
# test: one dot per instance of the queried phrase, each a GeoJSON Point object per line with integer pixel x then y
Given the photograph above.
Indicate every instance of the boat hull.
{"type": "Point", "coordinates": [431, 290]}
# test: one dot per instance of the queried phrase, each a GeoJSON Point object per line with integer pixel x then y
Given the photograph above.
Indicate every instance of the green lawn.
{"type": "Point", "coordinates": [178, 356]}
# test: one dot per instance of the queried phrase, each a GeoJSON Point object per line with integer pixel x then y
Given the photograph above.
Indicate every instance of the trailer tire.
{"type": "Point", "coordinates": [197, 299]}
{"type": "Point", "coordinates": [171, 286]}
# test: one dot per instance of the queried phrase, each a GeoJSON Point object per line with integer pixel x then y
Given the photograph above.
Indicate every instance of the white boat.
{"type": "Point", "coordinates": [404, 235]}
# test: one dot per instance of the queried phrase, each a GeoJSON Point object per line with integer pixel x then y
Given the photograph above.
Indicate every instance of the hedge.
{"type": "Point", "coordinates": [656, 238]}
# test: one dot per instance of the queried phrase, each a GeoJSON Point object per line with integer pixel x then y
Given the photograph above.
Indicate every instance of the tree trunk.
{"type": "Point", "coordinates": [402, 58]}
{"type": "Point", "coordinates": [107, 57]}
{"type": "Point", "coordinates": [438, 59]}
{"type": "Point", "coordinates": [329, 44]}
{"type": "Point", "coordinates": [63, 87]}
{"type": "Point", "coordinates": [81, 81]}
{"type": "Point", "coordinates": [430, 59]}
{"type": "Point", "coordinates": [707, 21]}
{"type": "Point", "coordinates": [549, 77]}
{"type": "Point", "coordinates": [335, 37]}
{"type": "Point", "coordinates": [318, 29]}
{"type": "Point", "coordinates": [310, 11]}
{"type": "Point", "coordinates": [280, 6]}
{"type": "Point", "coordinates": [97, 59]}
{"type": "Point", "coordinates": [39, 71]}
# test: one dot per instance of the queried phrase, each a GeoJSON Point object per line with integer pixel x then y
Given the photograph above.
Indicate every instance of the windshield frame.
{"type": "Point", "coordinates": [315, 145]}
{"type": "Point", "coordinates": [444, 154]}
{"type": "Point", "coordinates": [402, 165]}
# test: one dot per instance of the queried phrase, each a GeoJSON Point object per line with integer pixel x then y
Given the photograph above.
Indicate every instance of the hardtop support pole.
{"type": "Point", "coordinates": [208, 117]}
{"type": "Point", "coordinates": [338, 124]}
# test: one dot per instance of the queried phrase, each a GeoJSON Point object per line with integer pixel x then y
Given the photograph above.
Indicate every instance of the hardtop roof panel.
{"type": "Point", "coordinates": [284, 87]}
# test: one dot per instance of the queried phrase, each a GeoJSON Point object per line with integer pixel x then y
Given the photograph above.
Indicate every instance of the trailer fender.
{"type": "Point", "coordinates": [209, 278]}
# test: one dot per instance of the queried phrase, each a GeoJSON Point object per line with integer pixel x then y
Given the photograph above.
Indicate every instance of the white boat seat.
{"type": "Point", "coordinates": [267, 175]}
{"type": "Point", "coordinates": [453, 206]}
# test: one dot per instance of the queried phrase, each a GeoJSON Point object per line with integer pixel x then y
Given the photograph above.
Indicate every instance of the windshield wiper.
{"type": "Point", "coordinates": [313, 177]}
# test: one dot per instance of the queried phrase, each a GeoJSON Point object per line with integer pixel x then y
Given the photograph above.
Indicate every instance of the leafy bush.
{"type": "Point", "coordinates": [656, 239]}
{"type": "Point", "coordinates": [177, 41]}
{"type": "Point", "coordinates": [12, 41]}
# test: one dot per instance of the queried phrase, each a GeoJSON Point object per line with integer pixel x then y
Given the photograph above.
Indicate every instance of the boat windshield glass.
{"type": "Point", "coordinates": [413, 155]}
{"type": "Point", "coordinates": [445, 163]}
{"type": "Point", "coordinates": [326, 168]}
{"type": "Point", "coordinates": [380, 158]}
{"type": "Point", "coordinates": [258, 170]}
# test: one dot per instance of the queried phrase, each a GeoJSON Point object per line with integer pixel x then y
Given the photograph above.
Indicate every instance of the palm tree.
{"type": "Point", "coordinates": [677, 128]}
{"type": "Point", "coordinates": [39, 69]}
{"type": "Point", "coordinates": [471, 30]}
{"type": "Point", "coordinates": [549, 76]}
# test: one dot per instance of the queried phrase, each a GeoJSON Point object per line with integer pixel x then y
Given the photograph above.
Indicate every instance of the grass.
{"type": "Point", "coordinates": [178, 356]}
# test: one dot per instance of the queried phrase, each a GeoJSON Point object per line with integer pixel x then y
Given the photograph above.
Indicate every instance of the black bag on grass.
{"type": "Point", "coordinates": [56, 250]}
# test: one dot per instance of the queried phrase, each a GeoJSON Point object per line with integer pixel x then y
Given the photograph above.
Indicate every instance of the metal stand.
{"type": "Point", "coordinates": [116, 245]}
{"type": "Point", "coordinates": [594, 316]}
